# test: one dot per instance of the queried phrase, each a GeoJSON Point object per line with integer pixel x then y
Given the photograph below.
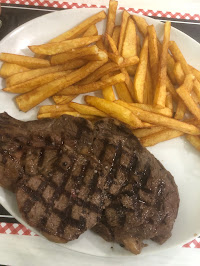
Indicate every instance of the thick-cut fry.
{"type": "Point", "coordinates": [130, 44]}
{"type": "Point", "coordinates": [160, 93]}
{"type": "Point", "coordinates": [128, 82]}
{"type": "Point", "coordinates": [9, 69]}
{"type": "Point", "coordinates": [140, 75]}
{"type": "Point", "coordinates": [30, 99]}
{"type": "Point", "coordinates": [179, 74]}
{"type": "Point", "coordinates": [111, 42]}
{"type": "Point", "coordinates": [170, 68]}
{"type": "Point", "coordinates": [114, 110]}
{"type": "Point", "coordinates": [153, 54]}
{"type": "Point", "coordinates": [54, 108]}
{"type": "Point", "coordinates": [63, 99]}
{"type": "Point", "coordinates": [169, 101]}
{"type": "Point", "coordinates": [58, 114]}
{"type": "Point", "coordinates": [27, 75]}
{"type": "Point", "coordinates": [138, 44]}
{"type": "Point", "coordinates": [35, 82]}
{"type": "Point", "coordinates": [108, 93]}
{"type": "Point", "coordinates": [148, 88]}
{"type": "Point", "coordinates": [100, 56]}
{"type": "Point", "coordinates": [111, 19]}
{"type": "Point", "coordinates": [125, 16]}
{"type": "Point", "coordinates": [87, 110]}
{"type": "Point", "coordinates": [144, 132]}
{"type": "Point", "coordinates": [195, 72]}
{"type": "Point", "coordinates": [81, 28]}
{"type": "Point", "coordinates": [91, 31]}
{"type": "Point", "coordinates": [115, 36]}
{"type": "Point", "coordinates": [93, 86]}
{"type": "Point", "coordinates": [184, 92]}
{"type": "Point", "coordinates": [25, 61]}
{"type": "Point", "coordinates": [141, 24]}
{"type": "Point", "coordinates": [160, 136]}
{"type": "Point", "coordinates": [160, 120]}
{"type": "Point", "coordinates": [116, 58]}
{"type": "Point", "coordinates": [131, 61]}
{"type": "Point", "coordinates": [146, 107]}
{"type": "Point", "coordinates": [194, 140]}
{"type": "Point", "coordinates": [73, 54]}
{"type": "Point", "coordinates": [123, 93]}
{"type": "Point", "coordinates": [64, 46]}
{"type": "Point", "coordinates": [100, 45]}
{"type": "Point", "coordinates": [170, 88]}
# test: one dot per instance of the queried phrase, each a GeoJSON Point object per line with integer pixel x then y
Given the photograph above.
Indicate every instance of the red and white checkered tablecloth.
{"type": "Point", "coordinates": [19, 229]}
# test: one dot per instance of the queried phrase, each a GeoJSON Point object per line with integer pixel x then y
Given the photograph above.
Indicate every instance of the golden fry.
{"type": "Point", "coordinates": [87, 110]}
{"type": "Point", "coordinates": [138, 45]}
{"type": "Point", "coordinates": [27, 75]}
{"type": "Point", "coordinates": [144, 132]}
{"type": "Point", "coordinates": [194, 140]}
{"type": "Point", "coordinates": [114, 110]}
{"type": "Point", "coordinates": [93, 86]}
{"type": "Point", "coordinates": [179, 74]}
{"type": "Point", "coordinates": [123, 93]}
{"type": "Point", "coordinates": [115, 36]}
{"type": "Point", "coordinates": [74, 54]}
{"type": "Point", "coordinates": [64, 46]}
{"type": "Point", "coordinates": [148, 88]}
{"type": "Point", "coordinates": [160, 120]}
{"type": "Point", "coordinates": [91, 31]}
{"type": "Point", "coordinates": [115, 58]}
{"type": "Point", "coordinates": [146, 107]}
{"type": "Point", "coordinates": [81, 28]}
{"type": "Point", "coordinates": [35, 82]}
{"type": "Point", "coordinates": [153, 54]}
{"type": "Point", "coordinates": [8, 69]}
{"type": "Point", "coordinates": [170, 68]}
{"type": "Point", "coordinates": [63, 99]}
{"type": "Point", "coordinates": [160, 136]}
{"type": "Point", "coordinates": [54, 108]}
{"type": "Point", "coordinates": [100, 56]}
{"type": "Point", "coordinates": [111, 19]}
{"type": "Point", "coordinates": [196, 73]}
{"type": "Point", "coordinates": [58, 114]}
{"type": "Point", "coordinates": [180, 110]}
{"type": "Point", "coordinates": [108, 93]}
{"type": "Point", "coordinates": [141, 24]}
{"type": "Point", "coordinates": [139, 79]}
{"type": "Point", "coordinates": [30, 99]}
{"type": "Point", "coordinates": [169, 101]}
{"type": "Point", "coordinates": [160, 93]}
{"type": "Point", "coordinates": [170, 88]}
{"type": "Point", "coordinates": [125, 16]}
{"type": "Point", "coordinates": [25, 61]}
{"type": "Point", "coordinates": [111, 42]}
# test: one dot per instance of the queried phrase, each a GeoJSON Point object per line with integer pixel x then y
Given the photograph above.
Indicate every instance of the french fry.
{"type": "Point", "coordinates": [93, 86]}
{"type": "Point", "coordinates": [74, 54]}
{"type": "Point", "coordinates": [87, 110]}
{"type": "Point", "coordinates": [27, 75]}
{"type": "Point", "coordinates": [115, 58]}
{"type": "Point", "coordinates": [153, 54]}
{"type": "Point", "coordinates": [35, 82]}
{"type": "Point", "coordinates": [100, 45]}
{"type": "Point", "coordinates": [131, 61]}
{"type": "Point", "coordinates": [141, 24]}
{"type": "Point", "coordinates": [194, 140]}
{"type": "Point", "coordinates": [108, 93]}
{"type": "Point", "coordinates": [196, 73]}
{"type": "Point", "coordinates": [147, 107]}
{"type": "Point", "coordinates": [169, 101]}
{"type": "Point", "coordinates": [170, 88]}
{"type": "Point", "coordinates": [9, 69]}
{"type": "Point", "coordinates": [63, 99]}
{"type": "Point", "coordinates": [130, 44]}
{"type": "Point", "coordinates": [140, 75]}
{"type": "Point", "coordinates": [160, 136]}
{"type": "Point", "coordinates": [112, 45]}
{"type": "Point", "coordinates": [160, 120]}
{"type": "Point", "coordinates": [115, 36]}
{"type": "Point", "coordinates": [100, 56]}
{"type": "Point", "coordinates": [170, 68]}
{"type": "Point", "coordinates": [91, 31]}
{"type": "Point", "coordinates": [123, 92]}
{"type": "Point", "coordinates": [111, 19]}
{"type": "Point", "coordinates": [160, 93]}
{"type": "Point", "coordinates": [115, 111]}
{"type": "Point", "coordinates": [125, 16]}
{"type": "Point", "coordinates": [64, 46]}
{"type": "Point", "coordinates": [54, 108]}
{"type": "Point", "coordinates": [128, 82]}
{"type": "Point", "coordinates": [138, 45]}
{"type": "Point", "coordinates": [184, 93]}
{"type": "Point", "coordinates": [25, 61]}
{"type": "Point", "coordinates": [144, 132]}
{"type": "Point", "coordinates": [179, 74]}
{"type": "Point", "coordinates": [81, 28]}
{"type": "Point", "coordinates": [58, 114]}
{"type": "Point", "coordinates": [30, 99]}
{"type": "Point", "coordinates": [148, 88]}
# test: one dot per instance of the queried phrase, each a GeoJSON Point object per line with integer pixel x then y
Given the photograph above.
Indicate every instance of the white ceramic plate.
{"type": "Point", "coordinates": [176, 155]}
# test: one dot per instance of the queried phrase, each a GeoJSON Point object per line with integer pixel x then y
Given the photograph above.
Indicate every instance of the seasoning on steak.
{"type": "Point", "coordinates": [142, 196]}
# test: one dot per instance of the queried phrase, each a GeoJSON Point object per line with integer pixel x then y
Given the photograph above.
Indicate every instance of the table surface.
{"type": "Point", "coordinates": [13, 15]}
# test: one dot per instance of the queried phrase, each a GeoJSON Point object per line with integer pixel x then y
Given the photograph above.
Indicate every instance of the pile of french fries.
{"type": "Point", "coordinates": [145, 83]}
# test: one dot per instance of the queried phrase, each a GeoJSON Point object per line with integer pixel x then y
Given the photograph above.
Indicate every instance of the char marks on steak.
{"type": "Point", "coordinates": [72, 175]}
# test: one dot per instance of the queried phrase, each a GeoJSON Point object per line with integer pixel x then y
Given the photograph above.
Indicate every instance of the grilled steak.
{"type": "Point", "coordinates": [142, 198]}
{"type": "Point", "coordinates": [71, 175]}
